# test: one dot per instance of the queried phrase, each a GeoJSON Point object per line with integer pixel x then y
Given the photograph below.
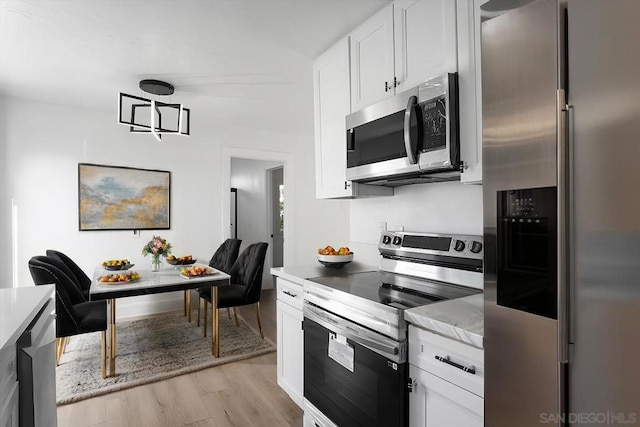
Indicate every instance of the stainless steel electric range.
{"type": "Point", "coordinates": [355, 335]}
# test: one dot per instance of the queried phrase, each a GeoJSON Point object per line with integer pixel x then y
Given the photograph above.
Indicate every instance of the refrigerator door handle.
{"type": "Point", "coordinates": [563, 235]}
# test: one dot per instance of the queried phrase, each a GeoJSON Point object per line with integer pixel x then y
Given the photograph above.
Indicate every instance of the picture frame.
{"type": "Point", "coordinates": [123, 198]}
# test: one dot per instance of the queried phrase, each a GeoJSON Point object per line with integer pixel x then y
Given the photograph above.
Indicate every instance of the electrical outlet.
{"type": "Point", "coordinates": [383, 226]}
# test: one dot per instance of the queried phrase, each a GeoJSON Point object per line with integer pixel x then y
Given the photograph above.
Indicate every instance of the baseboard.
{"type": "Point", "coordinates": [151, 304]}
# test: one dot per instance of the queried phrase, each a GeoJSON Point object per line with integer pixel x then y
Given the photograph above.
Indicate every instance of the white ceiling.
{"type": "Point", "coordinates": [83, 52]}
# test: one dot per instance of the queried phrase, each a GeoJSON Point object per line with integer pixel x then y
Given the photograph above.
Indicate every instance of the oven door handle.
{"type": "Point", "coordinates": [408, 114]}
{"type": "Point", "coordinates": [336, 327]}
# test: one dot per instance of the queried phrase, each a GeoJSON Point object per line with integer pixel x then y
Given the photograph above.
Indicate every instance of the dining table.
{"type": "Point", "coordinates": [154, 282]}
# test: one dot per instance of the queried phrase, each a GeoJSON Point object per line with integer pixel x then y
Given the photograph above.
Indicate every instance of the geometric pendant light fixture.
{"type": "Point", "coordinates": [144, 115]}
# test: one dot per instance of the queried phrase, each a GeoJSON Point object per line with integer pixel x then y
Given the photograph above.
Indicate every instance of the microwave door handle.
{"type": "Point", "coordinates": [408, 115]}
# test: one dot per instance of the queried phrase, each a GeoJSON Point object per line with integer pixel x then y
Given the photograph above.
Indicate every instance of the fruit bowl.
{"type": "Point", "coordinates": [116, 265]}
{"type": "Point", "coordinates": [335, 261]}
{"type": "Point", "coordinates": [181, 261]}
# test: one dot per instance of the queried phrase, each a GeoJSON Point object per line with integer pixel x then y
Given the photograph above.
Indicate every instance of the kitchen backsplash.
{"type": "Point", "coordinates": [448, 207]}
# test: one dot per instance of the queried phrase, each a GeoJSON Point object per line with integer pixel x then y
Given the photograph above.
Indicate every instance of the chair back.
{"type": "Point", "coordinates": [55, 262]}
{"type": "Point", "coordinates": [81, 278]}
{"type": "Point", "coordinates": [67, 294]}
{"type": "Point", "coordinates": [247, 271]}
{"type": "Point", "coordinates": [226, 255]}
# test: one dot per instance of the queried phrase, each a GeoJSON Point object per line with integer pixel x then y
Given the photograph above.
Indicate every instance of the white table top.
{"type": "Point", "coordinates": [18, 307]}
{"type": "Point", "coordinates": [168, 279]}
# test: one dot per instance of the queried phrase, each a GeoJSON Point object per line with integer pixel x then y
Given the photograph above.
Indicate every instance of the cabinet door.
{"type": "Point", "coordinates": [372, 60]}
{"type": "Point", "coordinates": [425, 40]}
{"type": "Point", "coordinates": [435, 402]}
{"type": "Point", "coordinates": [9, 407]}
{"type": "Point", "coordinates": [290, 357]}
{"type": "Point", "coordinates": [332, 104]}
{"type": "Point", "coordinates": [470, 85]}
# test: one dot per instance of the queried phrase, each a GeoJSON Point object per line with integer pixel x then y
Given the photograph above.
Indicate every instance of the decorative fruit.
{"type": "Point", "coordinates": [117, 278]}
{"type": "Point", "coordinates": [195, 271]}
{"type": "Point", "coordinates": [329, 250]}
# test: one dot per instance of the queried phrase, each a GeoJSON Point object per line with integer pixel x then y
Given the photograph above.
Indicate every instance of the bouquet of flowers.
{"type": "Point", "coordinates": [156, 247]}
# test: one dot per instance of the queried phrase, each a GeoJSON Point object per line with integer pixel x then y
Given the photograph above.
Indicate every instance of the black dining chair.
{"type": "Point", "coordinates": [73, 271]}
{"type": "Point", "coordinates": [222, 259]}
{"type": "Point", "coordinates": [74, 314]}
{"type": "Point", "coordinates": [246, 282]}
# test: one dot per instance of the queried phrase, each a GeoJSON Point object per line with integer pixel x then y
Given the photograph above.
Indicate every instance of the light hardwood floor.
{"type": "Point", "coordinates": [243, 393]}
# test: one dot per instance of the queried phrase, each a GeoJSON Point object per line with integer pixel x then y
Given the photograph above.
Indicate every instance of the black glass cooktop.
{"type": "Point", "coordinates": [394, 290]}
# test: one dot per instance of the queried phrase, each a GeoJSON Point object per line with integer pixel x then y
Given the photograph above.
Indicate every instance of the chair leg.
{"type": "Point", "coordinates": [229, 312]}
{"type": "Point", "coordinates": [235, 314]}
{"type": "Point", "coordinates": [205, 317]}
{"type": "Point", "coordinates": [65, 341]}
{"type": "Point", "coordinates": [103, 353]}
{"type": "Point", "coordinates": [199, 302]}
{"type": "Point", "coordinates": [184, 302]}
{"type": "Point", "coordinates": [58, 350]}
{"type": "Point", "coordinates": [259, 319]}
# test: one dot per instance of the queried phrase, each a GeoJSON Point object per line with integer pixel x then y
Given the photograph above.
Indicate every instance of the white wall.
{"type": "Point", "coordinates": [449, 207]}
{"type": "Point", "coordinates": [250, 178]}
{"type": "Point", "coordinates": [43, 144]}
{"type": "Point", "coordinates": [5, 204]}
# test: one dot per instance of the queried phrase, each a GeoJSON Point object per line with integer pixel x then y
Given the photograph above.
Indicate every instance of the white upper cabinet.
{"type": "Point", "coordinates": [424, 40]}
{"type": "Point", "coordinates": [470, 89]}
{"type": "Point", "coordinates": [401, 46]}
{"type": "Point", "coordinates": [332, 104]}
{"type": "Point", "coordinates": [372, 60]}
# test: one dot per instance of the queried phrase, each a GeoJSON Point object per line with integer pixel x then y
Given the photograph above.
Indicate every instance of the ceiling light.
{"type": "Point", "coordinates": [144, 115]}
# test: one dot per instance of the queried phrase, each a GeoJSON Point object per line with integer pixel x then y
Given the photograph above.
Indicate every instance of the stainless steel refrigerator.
{"type": "Point", "coordinates": [561, 153]}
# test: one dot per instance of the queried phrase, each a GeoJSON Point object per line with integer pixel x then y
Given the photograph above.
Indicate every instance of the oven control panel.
{"type": "Point", "coordinates": [408, 243]}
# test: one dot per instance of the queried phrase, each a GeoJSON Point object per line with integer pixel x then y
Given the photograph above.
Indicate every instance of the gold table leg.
{"type": "Point", "coordinates": [103, 353]}
{"type": "Point", "coordinates": [188, 306]}
{"type": "Point", "coordinates": [112, 339]}
{"type": "Point", "coordinates": [215, 332]}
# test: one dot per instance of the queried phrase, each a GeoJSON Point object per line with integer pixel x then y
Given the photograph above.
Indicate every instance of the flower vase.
{"type": "Point", "coordinates": [155, 263]}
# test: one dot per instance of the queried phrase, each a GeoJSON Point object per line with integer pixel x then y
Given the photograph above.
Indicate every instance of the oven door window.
{"type": "Point", "coordinates": [381, 140]}
{"type": "Point", "coordinates": [373, 394]}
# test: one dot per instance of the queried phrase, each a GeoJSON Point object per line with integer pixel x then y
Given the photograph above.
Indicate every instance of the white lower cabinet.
{"type": "Point", "coordinates": [442, 394]}
{"type": "Point", "coordinates": [435, 402]}
{"type": "Point", "coordinates": [290, 339]}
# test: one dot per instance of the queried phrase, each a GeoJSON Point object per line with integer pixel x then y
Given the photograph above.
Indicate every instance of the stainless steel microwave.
{"type": "Point", "coordinates": [410, 138]}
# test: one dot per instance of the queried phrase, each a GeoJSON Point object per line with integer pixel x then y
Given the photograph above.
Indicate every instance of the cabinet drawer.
{"type": "Point", "coordinates": [427, 351]}
{"type": "Point", "coordinates": [289, 293]}
{"type": "Point", "coordinates": [8, 370]}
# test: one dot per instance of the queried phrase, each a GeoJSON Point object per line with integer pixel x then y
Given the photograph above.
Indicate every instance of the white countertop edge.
{"type": "Point", "coordinates": [461, 319]}
{"type": "Point", "coordinates": [18, 308]}
{"type": "Point", "coordinates": [445, 330]}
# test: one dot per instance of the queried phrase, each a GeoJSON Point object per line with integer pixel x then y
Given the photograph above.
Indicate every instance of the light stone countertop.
{"type": "Point", "coordinates": [461, 319]}
{"type": "Point", "coordinates": [299, 273]}
{"type": "Point", "coordinates": [18, 307]}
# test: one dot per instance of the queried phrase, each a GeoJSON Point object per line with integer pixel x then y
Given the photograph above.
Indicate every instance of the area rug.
{"type": "Point", "coordinates": [152, 349]}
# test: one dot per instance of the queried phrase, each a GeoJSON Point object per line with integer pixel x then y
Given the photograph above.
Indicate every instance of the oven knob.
{"type": "Point", "coordinates": [397, 240]}
{"type": "Point", "coordinates": [386, 240]}
{"type": "Point", "coordinates": [459, 246]}
{"type": "Point", "coordinates": [476, 247]}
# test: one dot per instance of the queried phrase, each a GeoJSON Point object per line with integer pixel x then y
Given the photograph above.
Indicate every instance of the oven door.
{"type": "Point", "coordinates": [354, 376]}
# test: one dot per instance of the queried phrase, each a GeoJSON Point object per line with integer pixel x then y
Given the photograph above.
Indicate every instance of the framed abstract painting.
{"type": "Point", "coordinates": [123, 198]}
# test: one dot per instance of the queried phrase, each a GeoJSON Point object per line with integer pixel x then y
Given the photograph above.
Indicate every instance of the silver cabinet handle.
{"type": "Point", "coordinates": [408, 114]}
{"type": "Point", "coordinates": [446, 359]}
{"type": "Point", "coordinates": [292, 295]}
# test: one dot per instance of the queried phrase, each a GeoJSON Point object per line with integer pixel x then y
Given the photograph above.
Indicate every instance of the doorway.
{"type": "Point", "coordinates": [277, 210]}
